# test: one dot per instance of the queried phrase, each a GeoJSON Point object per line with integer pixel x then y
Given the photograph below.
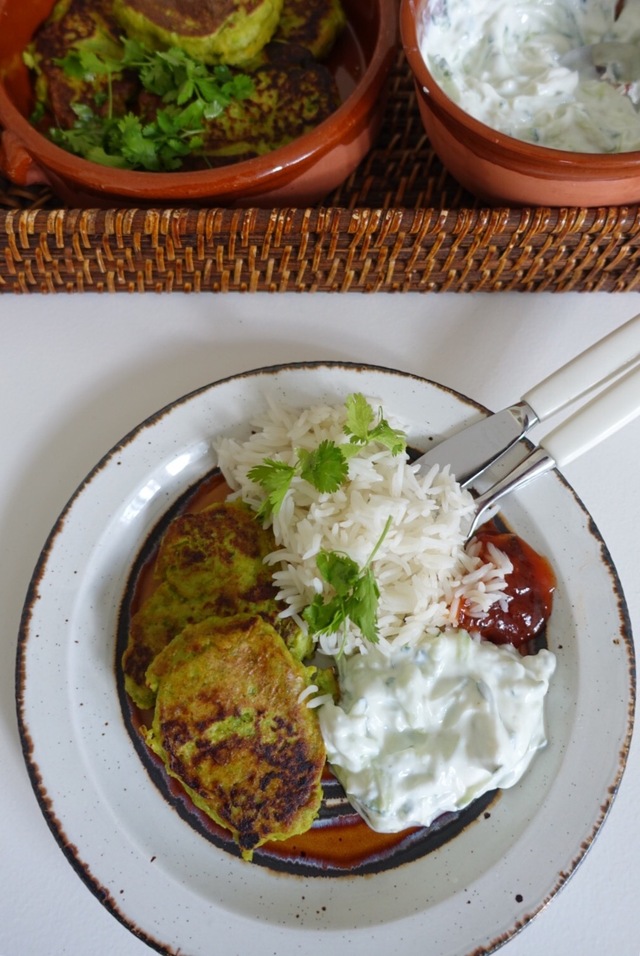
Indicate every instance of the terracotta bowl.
{"type": "Point", "coordinates": [301, 173]}
{"type": "Point", "coordinates": [498, 168]}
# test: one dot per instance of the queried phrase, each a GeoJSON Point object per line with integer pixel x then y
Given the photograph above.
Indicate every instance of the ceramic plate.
{"type": "Point", "coordinates": [155, 872]}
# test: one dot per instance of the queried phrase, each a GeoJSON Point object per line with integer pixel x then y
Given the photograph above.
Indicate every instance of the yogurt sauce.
{"type": "Point", "coordinates": [500, 61]}
{"type": "Point", "coordinates": [433, 727]}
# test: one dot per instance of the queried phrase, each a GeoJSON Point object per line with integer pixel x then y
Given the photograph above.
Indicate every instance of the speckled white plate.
{"type": "Point", "coordinates": [175, 889]}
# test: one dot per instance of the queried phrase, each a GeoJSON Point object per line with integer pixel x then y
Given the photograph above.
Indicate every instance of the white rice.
{"type": "Point", "coordinates": [422, 568]}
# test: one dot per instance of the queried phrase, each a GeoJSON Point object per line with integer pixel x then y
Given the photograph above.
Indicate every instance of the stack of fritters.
{"type": "Point", "coordinates": [223, 675]}
{"type": "Point", "coordinates": [280, 44]}
{"type": "Point", "coordinates": [209, 564]}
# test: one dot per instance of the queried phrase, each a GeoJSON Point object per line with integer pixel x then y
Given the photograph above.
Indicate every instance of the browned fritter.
{"type": "Point", "coordinates": [189, 17]}
{"type": "Point", "coordinates": [220, 549]}
{"type": "Point", "coordinates": [76, 22]}
{"type": "Point", "coordinates": [214, 31]}
{"type": "Point", "coordinates": [313, 25]}
{"type": "Point", "coordinates": [229, 725]}
{"type": "Point", "coordinates": [209, 563]}
{"type": "Point", "coordinates": [292, 94]}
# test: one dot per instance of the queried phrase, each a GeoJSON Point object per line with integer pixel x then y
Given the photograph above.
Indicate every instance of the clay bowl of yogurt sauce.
{"type": "Point", "coordinates": [301, 172]}
{"type": "Point", "coordinates": [497, 167]}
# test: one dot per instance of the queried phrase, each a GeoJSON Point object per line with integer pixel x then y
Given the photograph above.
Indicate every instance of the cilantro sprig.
{"type": "Point", "coordinates": [362, 426]}
{"type": "Point", "coordinates": [327, 466]}
{"type": "Point", "coordinates": [191, 94]}
{"type": "Point", "coordinates": [355, 596]}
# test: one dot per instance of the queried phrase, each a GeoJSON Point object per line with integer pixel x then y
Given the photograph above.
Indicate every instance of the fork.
{"type": "Point", "coordinates": [610, 410]}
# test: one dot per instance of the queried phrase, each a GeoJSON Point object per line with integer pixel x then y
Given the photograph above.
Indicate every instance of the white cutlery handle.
{"type": "Point", "coordinates": [613, 354]}
{"type": "Point", "coordinates": [609, 411]}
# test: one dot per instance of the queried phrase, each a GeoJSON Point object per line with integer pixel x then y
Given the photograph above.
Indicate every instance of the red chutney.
{"type": "Point", "coordinates": [530, 586]}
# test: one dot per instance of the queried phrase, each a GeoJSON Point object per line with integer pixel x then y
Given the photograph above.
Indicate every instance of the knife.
{"type": "Point", "coordinates": [475, 448]}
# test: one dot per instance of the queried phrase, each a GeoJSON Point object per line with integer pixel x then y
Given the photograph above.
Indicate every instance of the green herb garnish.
{"type": "Point", "coordinates": [326, 467]}
{"type": "Point", "coordinates": [363, 427]}
{"type": "Point", "coordinates": [355, 597]}
{"type": "Point", "coordinates": [191, 93]}
{"type": "Point", "coordinates": [275, 478]}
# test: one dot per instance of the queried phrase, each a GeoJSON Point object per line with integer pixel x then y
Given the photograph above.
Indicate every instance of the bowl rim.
{"type": "Point", "coordinates": [610, 165]}
{"type": "Point", "coordinates": [342, 126]}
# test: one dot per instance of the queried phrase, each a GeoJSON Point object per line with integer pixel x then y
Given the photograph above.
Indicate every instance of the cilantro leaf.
{"type": "Point", "coordinates": [359, 417]}
{"type": "Point", "coordinates": [355, 598]}
{"type": "Point", "coordinates": [137, 143]}
{"type": "Point", "coordinates": [363, 605]}
{"type": "Point", "coordinates": [134, 53]}
{"type": "Point", "coordinates": [91, 58]}
{"type": "Point", "coordinates": [72, 65]}
{"type": "Point", "coordinates": [361, 429]}
{"type": "Point", "coordinates": [191, 92]}
{"type": "Point", "coordinates": [325, 467]}
{"type": "Point", "coordinates": [275, 477]}
{"type": "Point", "coordinates": [93, 64]}
{"type": "Point", "coordinates": [89, 137]}
{"type": "Point", "coordinates": [392, 438]}
{"type": "Point", "coordinates": [338, 570]}
{"type": "Point", "coordinates": [324, 617]}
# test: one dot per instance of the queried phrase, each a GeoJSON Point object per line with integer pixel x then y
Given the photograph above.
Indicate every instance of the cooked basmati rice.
{"type": "Point", "coordinates": [422, 568]}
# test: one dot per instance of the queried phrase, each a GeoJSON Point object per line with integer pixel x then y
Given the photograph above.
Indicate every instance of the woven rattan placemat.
{"type": "Point", "coordinates": [399, 223]}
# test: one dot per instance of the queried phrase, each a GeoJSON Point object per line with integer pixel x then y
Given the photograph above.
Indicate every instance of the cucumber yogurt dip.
{"type": "Point", "coordinates": [500, 61]}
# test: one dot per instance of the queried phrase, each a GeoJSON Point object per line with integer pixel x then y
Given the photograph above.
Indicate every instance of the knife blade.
{"type": "Point", "coordinates": [475, 448]}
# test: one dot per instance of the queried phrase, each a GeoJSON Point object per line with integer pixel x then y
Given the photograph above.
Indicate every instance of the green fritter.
{"type": "Point", "coordinates": [292, 94]}
{"type": "Point", "coordinates": [313, 24]}
{"type": "Point", "coordinates": [209, 563]}
{"type": "Point", "coordinates": [213, 31]}
{"type": "Point", "coordinates": [81, 25]}
{"type": "Point", "coordinates": [230, 726]}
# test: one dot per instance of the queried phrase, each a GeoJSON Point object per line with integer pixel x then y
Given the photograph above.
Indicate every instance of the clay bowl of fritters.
{"type": "Point", "coordinates": [300, 173]}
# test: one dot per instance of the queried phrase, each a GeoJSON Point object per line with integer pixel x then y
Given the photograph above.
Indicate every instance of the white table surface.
{"type": "Point", "coordinates": [78, 372]}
